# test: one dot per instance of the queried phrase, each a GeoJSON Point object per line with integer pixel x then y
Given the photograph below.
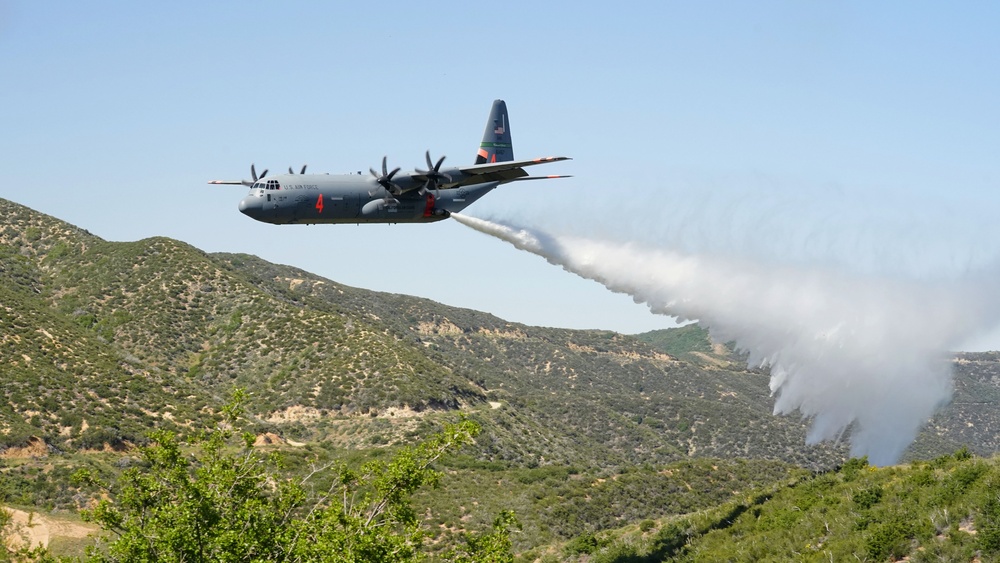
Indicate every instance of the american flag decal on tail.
{"type": "Point", "coordinates": [496, 144]}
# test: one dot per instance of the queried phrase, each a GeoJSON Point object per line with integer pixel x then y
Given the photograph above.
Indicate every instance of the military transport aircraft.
{"type": "Point", "coordinates": [389, 196]}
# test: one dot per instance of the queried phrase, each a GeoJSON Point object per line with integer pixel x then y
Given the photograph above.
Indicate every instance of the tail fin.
{"type": "Point", "coordinates": [496, 145]}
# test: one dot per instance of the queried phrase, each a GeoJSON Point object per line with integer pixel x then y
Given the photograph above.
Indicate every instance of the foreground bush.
{"type": "Point", "coordinates": [226, 502]}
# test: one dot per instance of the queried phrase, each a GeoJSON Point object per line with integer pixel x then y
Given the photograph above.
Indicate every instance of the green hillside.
{"type": "Point", "coordinates": [583, 431]}
{"type": "Point", "coordinates": [690, 342]}
{"type": "Point", "coordinates": [323, 361]}
{"type": "Point", "coordinates": [944, 509]}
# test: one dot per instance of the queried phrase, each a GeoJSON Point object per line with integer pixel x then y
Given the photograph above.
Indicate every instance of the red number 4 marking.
{"type": "Point", "coordinates": [319, 203]}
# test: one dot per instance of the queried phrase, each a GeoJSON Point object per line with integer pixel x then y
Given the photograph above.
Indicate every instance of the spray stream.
{"type": "Point", "coordinates": [863, 354]}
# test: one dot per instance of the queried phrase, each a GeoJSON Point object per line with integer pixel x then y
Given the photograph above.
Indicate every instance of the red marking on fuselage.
{"type": "Point", "coordinates": [429, 208]}
{"type": "Point", "coordinates": [319, 203]}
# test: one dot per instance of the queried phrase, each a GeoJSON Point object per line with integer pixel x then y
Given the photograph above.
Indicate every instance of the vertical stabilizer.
{"type": "Point", "coordinates": [496, 145]}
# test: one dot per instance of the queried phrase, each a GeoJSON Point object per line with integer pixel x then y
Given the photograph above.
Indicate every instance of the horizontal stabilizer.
{"type": "Point", "coordinates": [552, 177]}
{"type": "Point", "coordinates": [510, 165]}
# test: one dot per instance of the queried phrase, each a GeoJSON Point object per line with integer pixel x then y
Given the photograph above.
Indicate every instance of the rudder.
{"type": "Point", "coordinates": [496, 145]}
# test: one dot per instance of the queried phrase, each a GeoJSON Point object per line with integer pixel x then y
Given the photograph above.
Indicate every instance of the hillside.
{"type": "Point", "coordinates": [156, 332]}
{"type": "Point", "coordinates": [567, 396]}
{"type": "Point", "coordinates": [103, 341]}
{"type": "Point", "coordinates": [944, 509]}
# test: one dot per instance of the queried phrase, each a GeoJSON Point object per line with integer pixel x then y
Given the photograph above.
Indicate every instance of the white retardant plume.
{"type": "Point", "coordinates": [861, 352]}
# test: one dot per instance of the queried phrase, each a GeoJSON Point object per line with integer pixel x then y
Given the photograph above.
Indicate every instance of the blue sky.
{"type": "Point", "coordinates": [858, 134]}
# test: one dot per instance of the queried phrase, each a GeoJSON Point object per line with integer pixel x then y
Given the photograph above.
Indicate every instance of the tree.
{"type": "Point", "coordinates": [227, 502]}
{"type": "Point", "coordinates": [367, 516]}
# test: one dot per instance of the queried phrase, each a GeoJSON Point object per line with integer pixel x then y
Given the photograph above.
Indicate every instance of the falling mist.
{"type": "Point", "coordinates": [864, 354]}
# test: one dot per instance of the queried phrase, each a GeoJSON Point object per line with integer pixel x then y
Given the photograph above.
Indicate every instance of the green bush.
{"type": "Point", "coordinates": [889, 539]}
{"type": "Point", "coordinates": [988, 525]}
{"type": "Point", "coordinates": [227, 502]}
{"type": "Point", "coordinates": [585, 543]}
{"type": "Point", "coordinates": [869, 497]}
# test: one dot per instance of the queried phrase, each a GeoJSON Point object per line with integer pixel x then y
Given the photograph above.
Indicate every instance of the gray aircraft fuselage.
{"type": "Point", "coordinates": [418, 196]}
{"type": "Point", "coordinates": [351, 198]}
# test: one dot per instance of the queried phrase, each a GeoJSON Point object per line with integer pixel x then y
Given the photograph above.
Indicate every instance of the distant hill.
{"type": "Point", "coordinates": [690, 343]}
{"type": "Point", "coordinates": [102, 341]}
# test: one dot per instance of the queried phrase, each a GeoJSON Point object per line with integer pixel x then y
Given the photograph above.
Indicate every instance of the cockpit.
{"type": "Point", "coordinates": [268, 185]}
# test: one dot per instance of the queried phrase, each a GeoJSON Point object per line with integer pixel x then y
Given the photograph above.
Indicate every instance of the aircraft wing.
{"type": "Point", "coordinates": [496, 172]}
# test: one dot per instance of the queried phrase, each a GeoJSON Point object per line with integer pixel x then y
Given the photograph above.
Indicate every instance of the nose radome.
{"type": "Point", "coordinates": [251, 206]}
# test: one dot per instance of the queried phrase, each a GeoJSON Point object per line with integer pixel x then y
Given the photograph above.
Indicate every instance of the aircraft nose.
{"type": "Point", "coordinates": [252, 206]}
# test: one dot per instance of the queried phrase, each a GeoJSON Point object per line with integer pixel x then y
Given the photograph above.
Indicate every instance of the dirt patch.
{"type": "Point", "coordinates": [444, 328]}
{"type": "Point", "coordinates": [36, 448]}
{"type": "Point", "coordinates": [402, 412]}
{"type": "Point", "coordinates": [268, 439]}
{"type": "Point", "coordinates": [505, 334]}
{"type": "Point", "coordinates": [720, 362]}
{"type": "Point", "coordinates": [37, 530]}
{"type": "Point", "coordinates": [295, 413]}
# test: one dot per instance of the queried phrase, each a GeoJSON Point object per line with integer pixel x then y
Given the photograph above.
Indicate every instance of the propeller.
{"type": "Point", "coordinates": [290, 171]}
{"type": "Point", "coordinates": [434, 174]}
{"type": "Point", "coordinates": [253, 174]}
{"type": "Point", "coordinates": [385, 180]}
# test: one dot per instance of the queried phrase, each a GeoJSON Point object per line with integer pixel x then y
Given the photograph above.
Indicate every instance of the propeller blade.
{"type": "Point", "coordinates": [262, 174]}
{"type": "Point", "coordinates": [433, 172]}
{"type": "Point", "coordinates": [303, 169]}
{"type": "Point", "coordinates": [253, 173]}
{"type": "Point", "coordinates": [385, 179]}
{"type": "Point", "coordinates": [290, 170]}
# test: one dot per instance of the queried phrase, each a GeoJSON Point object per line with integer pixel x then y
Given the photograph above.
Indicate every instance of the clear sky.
{"type": "Point", "coordinates": [859, 134]}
